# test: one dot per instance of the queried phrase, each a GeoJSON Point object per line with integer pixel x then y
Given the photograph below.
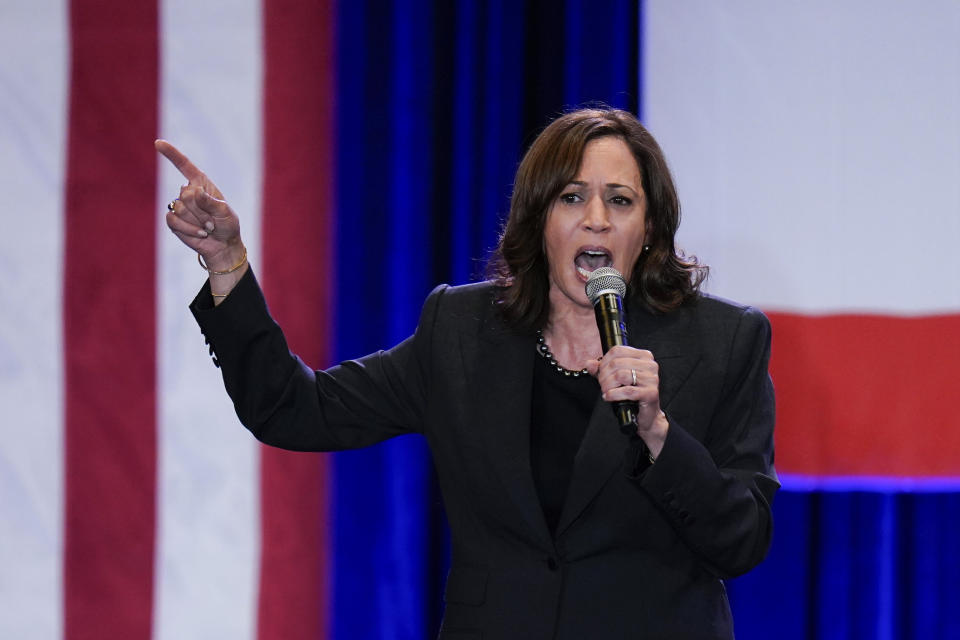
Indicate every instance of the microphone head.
{"type": "Point", "coordinates": [605, 280]}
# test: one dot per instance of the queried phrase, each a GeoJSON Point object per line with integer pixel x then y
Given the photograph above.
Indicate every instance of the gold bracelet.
{"type": "Point", "coordinates": [243, 260]}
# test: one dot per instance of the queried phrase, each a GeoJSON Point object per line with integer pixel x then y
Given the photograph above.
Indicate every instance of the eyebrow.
{"type": "Point", "coordinates": [609, 185]}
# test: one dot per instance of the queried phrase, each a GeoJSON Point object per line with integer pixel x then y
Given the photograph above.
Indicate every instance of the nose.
{"type": "Point", "coordinates": [595, 215]}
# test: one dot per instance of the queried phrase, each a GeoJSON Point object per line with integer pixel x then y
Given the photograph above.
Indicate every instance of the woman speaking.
{"type": "Point", "coordinates": [562, 526]}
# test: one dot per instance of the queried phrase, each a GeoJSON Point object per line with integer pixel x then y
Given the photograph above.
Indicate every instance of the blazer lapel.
{"type": "Point", "coordinates": [600, 454]}
{"type": "Point", "coordinates": [668, 338]}
{"type": "Point", "coordinates": [504, 379]}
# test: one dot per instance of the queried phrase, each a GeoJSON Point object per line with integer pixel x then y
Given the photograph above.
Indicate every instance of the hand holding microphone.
{"type": "Point", "coordinates": [629, 378]}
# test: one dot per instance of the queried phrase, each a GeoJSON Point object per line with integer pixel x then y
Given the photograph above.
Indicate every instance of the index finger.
{"type": "Point", "coordinates": [626, 351]}
{"type": "Point", "coordinates": [180, 161]}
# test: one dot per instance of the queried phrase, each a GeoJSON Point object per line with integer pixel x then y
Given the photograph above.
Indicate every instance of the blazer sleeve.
{"type": "Point", "coordinates": [718, 493]}
{"type": "Point", "coordinates": [286, 404]}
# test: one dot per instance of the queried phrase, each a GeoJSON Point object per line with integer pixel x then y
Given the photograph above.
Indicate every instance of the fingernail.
{"type": "Point", "coordinates": [209, 225]}
{"type": "Point", "coordinates": [202, 233]}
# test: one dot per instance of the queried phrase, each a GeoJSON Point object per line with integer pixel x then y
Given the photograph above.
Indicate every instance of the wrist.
{"type": "Point", "coordinates": [227, 260]}
{"type": "Point", "coordinates": [225, 269]}
{"type": "Point", "coordinates": [656, 435]}
{"type": "Point", "coordinates": [222, 285]}
{"type": "Point", "coordinates": [224, 262]}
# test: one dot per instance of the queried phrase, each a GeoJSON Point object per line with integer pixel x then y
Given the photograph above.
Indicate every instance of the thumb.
{"type": "Point", "coordinates": [211, 205]}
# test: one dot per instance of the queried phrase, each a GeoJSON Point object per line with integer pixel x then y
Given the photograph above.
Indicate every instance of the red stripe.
{"type": "Point", "coordinates": [297, 272]}
{"type": "Point", "coordinates": [109, 320]}
{"type": "Point", "coordinates": [867, 395]}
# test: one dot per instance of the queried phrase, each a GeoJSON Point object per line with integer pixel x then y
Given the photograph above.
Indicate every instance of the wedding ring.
{"type": "Point", "coordinates": [633, 373]}
{"type": "Point", "coordinates": [170, 205]}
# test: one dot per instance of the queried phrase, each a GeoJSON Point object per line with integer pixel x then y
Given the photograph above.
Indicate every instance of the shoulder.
{"type": "Point", "coordinates": [466, 294]}
{"type": "Point", "coordinates": [715, 325]}
{"type": "Point", "coordinates": [461, 305]}
{"type": "Point", "coordinates": [475, 299]}
{"type": "Point", "coordinates": [718, 313]}
{"type": "Point", "coordinates": [738, 331]}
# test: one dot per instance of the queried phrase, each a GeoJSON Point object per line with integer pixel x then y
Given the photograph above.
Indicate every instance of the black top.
{"type": "Point", "coordinates": [559, 413]}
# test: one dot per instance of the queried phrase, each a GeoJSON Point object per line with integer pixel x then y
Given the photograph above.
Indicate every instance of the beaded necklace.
{"type": "Point", "coordinates": [547, 355]}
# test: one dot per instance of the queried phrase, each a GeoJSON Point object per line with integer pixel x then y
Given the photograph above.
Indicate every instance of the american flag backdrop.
{"type": "Point", "coordinates": [818, 166]}
{"type": "Point", "coordinates": [130, 494]}
{"type": "Point", "coordinates": [817, 154]}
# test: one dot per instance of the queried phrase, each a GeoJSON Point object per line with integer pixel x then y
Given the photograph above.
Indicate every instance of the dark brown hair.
{"type": "Point", "coordinates": [663, 277]}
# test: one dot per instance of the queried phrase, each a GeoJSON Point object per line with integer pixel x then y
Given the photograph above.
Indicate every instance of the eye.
{"type": "Point", "coordinates": [621, 200]}
{"type": "Point", "coordinates": [570, 197]}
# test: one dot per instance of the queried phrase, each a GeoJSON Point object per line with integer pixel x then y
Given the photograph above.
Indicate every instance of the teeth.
{"type": "Point", "coordinates": [589, 259]}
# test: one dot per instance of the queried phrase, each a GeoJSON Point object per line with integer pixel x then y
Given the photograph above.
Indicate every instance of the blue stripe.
{"type": "Point", "coordinates": [463, 193]}
{"type": "Point", "coordinates": [881, 484]}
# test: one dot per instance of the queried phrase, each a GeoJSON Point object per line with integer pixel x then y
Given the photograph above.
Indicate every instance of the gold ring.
{"type": "Point", "coordinates": [170, 205]}
{"type": "Point", "coordinates": [633, 373]}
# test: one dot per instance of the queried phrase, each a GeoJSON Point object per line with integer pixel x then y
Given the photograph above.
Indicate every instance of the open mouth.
{"type": "Point", "coordinates": [589, 260]}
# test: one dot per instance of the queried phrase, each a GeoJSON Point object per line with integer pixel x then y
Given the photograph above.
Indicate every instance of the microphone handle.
{"type": "Point", "coordinates": [612, 323]}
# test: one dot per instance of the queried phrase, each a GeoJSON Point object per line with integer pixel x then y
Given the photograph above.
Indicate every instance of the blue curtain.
{"type": "Point", "coordinates": [436, 104]}
{"type": "Point", "coordinates": [850, 564]}
{"type": "Point", "coordinates": [437, 101]}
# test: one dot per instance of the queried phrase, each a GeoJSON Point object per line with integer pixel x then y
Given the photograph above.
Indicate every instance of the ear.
{"type": "Point", "coordinates": [647, 233]}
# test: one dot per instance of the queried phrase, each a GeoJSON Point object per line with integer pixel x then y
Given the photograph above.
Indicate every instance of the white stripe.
{"type": "Point", "coordinates": [208, 543]}
{"type": "Point", "coordinates": [815, 146]}
{"type": "Point", "coordinates": [33, 112]}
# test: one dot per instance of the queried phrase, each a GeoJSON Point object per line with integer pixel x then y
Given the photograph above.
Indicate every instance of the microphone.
{"type": "Point", "coordinates": [605, 289]}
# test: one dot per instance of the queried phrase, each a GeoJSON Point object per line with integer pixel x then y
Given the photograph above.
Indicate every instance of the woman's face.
{"type": "Point", "coordinates": [599, 220]}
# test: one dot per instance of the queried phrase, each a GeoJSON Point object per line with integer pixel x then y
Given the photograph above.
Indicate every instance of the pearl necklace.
{"type": "Point", "coordinates": [544, 351]}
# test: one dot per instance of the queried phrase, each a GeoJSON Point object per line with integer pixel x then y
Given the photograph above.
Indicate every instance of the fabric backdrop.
{"type": "Point", "coordinates": [369, 148]}
{"type": "Point", "coordinates": [816, 148]}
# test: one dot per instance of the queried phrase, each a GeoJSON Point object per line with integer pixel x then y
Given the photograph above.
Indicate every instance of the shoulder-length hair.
{"type": "Point", "coordinates": [662, 277]}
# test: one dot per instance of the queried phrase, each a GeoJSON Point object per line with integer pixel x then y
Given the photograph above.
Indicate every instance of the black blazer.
{"type": "Point", "coordinates": [640, 549]}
